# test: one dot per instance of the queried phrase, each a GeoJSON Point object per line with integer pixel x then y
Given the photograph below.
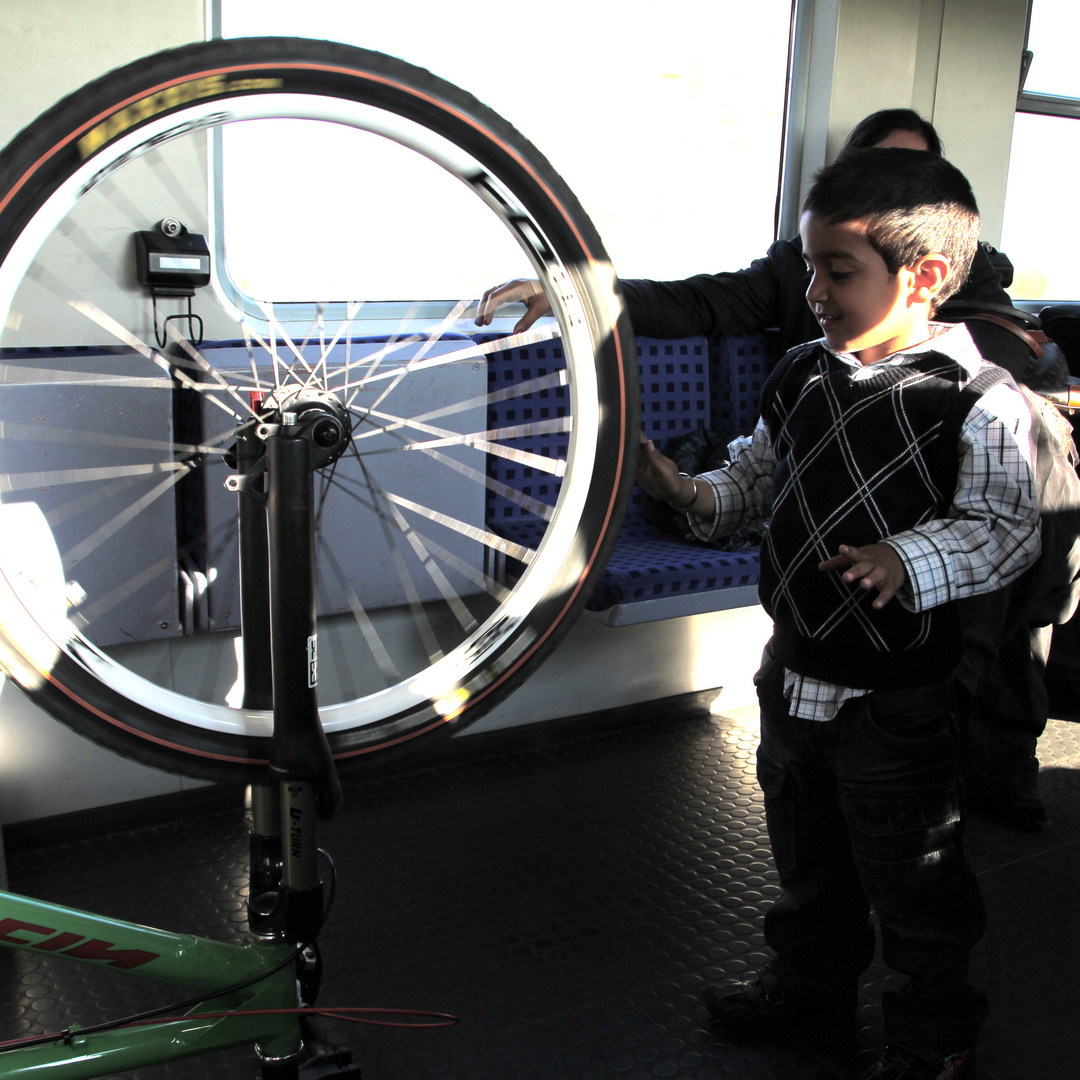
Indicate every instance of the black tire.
{"type": "Point", "coordinates": [67, 186]}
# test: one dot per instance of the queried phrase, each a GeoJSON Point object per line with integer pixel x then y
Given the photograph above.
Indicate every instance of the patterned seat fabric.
{"type": "Point", "coordinates": [685, 384]}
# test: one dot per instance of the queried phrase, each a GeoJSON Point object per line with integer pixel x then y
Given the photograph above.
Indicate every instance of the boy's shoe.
{"type": "Point", "coordinates": [906, 1063]}
{"type": "Point", "coordinates": [1009, 797]}
{"type": "Point", "coordinates": [1014, 808]}
{"type": "Point", "coordinates": [763, 1002]}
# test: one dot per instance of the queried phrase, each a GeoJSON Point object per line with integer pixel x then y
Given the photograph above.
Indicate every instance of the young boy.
{"type": "Point", "coordinates": [893, 467]}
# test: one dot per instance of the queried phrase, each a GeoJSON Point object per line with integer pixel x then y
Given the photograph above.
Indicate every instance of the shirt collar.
{"type": "Point", "coordinates": [952, 339]}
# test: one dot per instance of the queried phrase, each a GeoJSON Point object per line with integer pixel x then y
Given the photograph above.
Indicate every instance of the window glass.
{"type": "Point", "coordinates": [1052, 37]}
{"type": "Point", "coordinates": [1040, 200]}
{"type": "Point", "coordinates": [665, 123]}
{"type": "Point", "coordinates": [1041, 207]}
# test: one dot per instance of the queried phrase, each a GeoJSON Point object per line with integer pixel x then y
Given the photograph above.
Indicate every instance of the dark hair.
{"type": "Point", "coordinates": [869, 132]}
{"type": "Point", "coordinates": [913, 203]}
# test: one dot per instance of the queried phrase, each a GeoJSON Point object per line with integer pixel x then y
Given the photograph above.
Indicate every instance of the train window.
{"type": "Point", "coordinates": [1040, 201]}
{"type": "Point", "coordinates": [671, 139]}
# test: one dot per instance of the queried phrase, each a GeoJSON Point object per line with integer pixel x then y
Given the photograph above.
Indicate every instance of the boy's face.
{"type": "Point", "coordinates": [862, 308]}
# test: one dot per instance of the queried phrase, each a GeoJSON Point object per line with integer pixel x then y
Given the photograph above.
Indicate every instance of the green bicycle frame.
{"type": "Point", "coordinates": [180, 959]}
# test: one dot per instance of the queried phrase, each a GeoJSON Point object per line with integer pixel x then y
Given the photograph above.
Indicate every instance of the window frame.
{"type": "Point", "coordinates": [1048, 105]}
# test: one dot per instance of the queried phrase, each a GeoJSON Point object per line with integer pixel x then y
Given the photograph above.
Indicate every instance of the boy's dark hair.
{"type": "Point", "coordinates": [871, 130]}
{"type": "Point", "coordinates": [912, 202]}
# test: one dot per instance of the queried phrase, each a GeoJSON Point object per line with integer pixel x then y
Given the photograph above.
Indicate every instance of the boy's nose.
{"type": "Point", "coordinates": [815, 290]}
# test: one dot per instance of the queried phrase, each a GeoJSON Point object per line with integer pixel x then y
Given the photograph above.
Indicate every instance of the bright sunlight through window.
{"type": "Point", "coordinates": [666, 123]}
{"type": "Point", "coordinates": [1040, 201]}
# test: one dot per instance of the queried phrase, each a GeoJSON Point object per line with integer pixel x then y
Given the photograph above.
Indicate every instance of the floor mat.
{"type": "Point", "coordinates": [568, 901]}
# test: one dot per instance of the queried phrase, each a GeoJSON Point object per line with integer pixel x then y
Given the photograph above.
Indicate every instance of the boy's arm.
{"type": "Point", "coordinates": [660, 477]}
{"type": "Point", "coordinates": [742, 491]}
{"type": "Point", "coordinates": [991, 534]}
{"type": "Point", "coordinates": [721, 501]}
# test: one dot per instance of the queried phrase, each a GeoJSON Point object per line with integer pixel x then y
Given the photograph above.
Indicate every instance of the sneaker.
{"type": "Point", "coordinates": [1011, 807]}
{"type": "Point", "coordinates": [763, 1002]}
{"type": "Point", "coordinates": [907, 1063]}
{"type": "Point", "coordinates": [1008, 796]}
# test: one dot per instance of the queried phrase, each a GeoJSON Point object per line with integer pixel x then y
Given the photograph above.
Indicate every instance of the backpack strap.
{"type": "Point", "coordinates": [1065, 397]}
{"type": "Point", "coordinates": [1034, 339]}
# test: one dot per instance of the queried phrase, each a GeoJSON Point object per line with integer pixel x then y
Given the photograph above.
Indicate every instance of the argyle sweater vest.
{"type": "Point", "coordinates": [857, 461]}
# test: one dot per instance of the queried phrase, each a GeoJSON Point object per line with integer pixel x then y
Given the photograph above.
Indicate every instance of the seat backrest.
{"type": "Point", "coordinates": [505, 369]}
{"type": "Point", "coordinates": [739, 365]}
{"type": "Point", "coordinates": [675, 397]}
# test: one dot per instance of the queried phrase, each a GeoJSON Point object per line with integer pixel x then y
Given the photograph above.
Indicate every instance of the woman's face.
{"type": "Point", "coordinates": [905, 140]}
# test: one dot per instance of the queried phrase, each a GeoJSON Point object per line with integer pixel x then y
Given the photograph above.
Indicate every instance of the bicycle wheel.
{"type": "Point", "coordinates": [483, 483]}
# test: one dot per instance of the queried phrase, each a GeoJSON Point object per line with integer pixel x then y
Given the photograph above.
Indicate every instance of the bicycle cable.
{"type": "Point", "coordinates": [155, 1015]}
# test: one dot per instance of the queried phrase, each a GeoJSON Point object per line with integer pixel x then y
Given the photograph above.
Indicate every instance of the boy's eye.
{"type": "Point", "coordinates": [839, 275]}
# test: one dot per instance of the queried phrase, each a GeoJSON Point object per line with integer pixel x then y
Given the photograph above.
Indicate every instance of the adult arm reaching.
{"type": "Point", "coordinates": [527, 291]}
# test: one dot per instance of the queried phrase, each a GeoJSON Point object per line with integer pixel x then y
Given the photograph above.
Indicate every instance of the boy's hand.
{"type": "Point", "coordinates": [659, 475]}
{"type": "Point", "coordinates": [876, 566]}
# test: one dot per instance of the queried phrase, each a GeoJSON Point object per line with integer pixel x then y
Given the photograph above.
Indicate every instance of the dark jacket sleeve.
{"type": "Point", "coordinates": [769, 294]}
{"type": "Point", "coordinates": [983, 292]}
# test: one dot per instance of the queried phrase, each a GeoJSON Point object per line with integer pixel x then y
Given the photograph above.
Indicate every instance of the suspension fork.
{"type": "Point", "coordinates": [300, 757]}
{"type": "Point", "coordinates": [264, 836]}
{"type": "Point", "coordinates": [277, 538]}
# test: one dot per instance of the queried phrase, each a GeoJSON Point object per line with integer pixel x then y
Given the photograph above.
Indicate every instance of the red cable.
{"type": "Point", "coordinates": [350, 1015]}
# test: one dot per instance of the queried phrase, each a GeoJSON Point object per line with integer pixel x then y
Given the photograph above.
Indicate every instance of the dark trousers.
{"type": "Point", "coordinates": [1006, 646]}
{"type": "Point", "coordinates": [863, 811]}
{"type": "Point", "coordinates": [1008, 714]}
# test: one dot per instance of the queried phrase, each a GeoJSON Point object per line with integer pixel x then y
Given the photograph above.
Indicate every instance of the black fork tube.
{"type": "Point", "coordinates": [265, 830]}
{"type": "Point", "coordinates": [300, 756]}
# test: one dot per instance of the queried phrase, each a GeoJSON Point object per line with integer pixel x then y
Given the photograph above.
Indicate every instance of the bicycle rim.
{"type": "Point", "coordinates": [459, 534]}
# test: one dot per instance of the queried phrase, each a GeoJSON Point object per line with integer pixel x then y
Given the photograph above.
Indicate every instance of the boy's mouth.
{"type": "Point", "coordinates": [825, 319]}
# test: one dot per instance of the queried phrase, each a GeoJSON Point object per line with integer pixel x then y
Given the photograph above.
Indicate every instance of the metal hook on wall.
{"type": "Point", "coordinates": [161, 325]}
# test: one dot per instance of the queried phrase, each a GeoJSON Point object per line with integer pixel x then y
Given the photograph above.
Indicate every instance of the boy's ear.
{"type": "Point", "coordinates": [929, 274]}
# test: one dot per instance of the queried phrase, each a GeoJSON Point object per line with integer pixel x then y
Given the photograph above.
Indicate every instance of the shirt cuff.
{"type": "Point", "coordinates": [927, 571]}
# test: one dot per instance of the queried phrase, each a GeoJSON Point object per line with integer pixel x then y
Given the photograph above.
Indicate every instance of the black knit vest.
{"type": "Point", "coordinates": [857, 461]}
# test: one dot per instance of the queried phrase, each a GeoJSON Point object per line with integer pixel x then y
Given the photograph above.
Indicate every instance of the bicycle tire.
{"type": "Point", "coordinates": [74, 175]}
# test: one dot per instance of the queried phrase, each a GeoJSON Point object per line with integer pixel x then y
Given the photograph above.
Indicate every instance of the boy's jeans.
{"type": "Point", "coordinates": [863, 810]}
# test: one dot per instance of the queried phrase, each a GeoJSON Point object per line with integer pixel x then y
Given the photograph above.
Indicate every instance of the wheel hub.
{"type": "Point", "coordinates": [317, 414]}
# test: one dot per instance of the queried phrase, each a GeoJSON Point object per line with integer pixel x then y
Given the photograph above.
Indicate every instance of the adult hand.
{"type": "Point", "coordinates": [875, 566]}
{"type": "Point", "coordinates": [525, 291]}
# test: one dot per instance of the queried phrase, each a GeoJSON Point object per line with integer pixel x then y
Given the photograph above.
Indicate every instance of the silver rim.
{"type": "Point", "coordinates": [419, 404]}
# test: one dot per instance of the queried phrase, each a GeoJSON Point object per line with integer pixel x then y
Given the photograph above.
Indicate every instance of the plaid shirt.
{"type": "Point", "coordinates": [990, 536]}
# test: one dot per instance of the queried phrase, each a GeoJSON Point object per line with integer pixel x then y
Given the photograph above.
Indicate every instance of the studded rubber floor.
{"type": "Point", "coordinates": [568, 899]}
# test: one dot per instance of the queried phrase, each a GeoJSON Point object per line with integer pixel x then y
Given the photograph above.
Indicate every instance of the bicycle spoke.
{"type": "Point", "coordinates": [74, 555]}
{"type": "Point", "coordinates": [485, 537]}
{"type": "Point", "coordinates": [378, 649]}
{"type": "Point", "coordinates": [525, 502]}
{"type": "Point", "coordinates": [42, 478]}
{"type": "Point", "coordinates": [170, 181]}
{"type": "Point", "coordinates": [55, 436]}
{"type": "Point", "coordinates": [533, 386]}
{"type": "Point", "coordinates": [91, 611]}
